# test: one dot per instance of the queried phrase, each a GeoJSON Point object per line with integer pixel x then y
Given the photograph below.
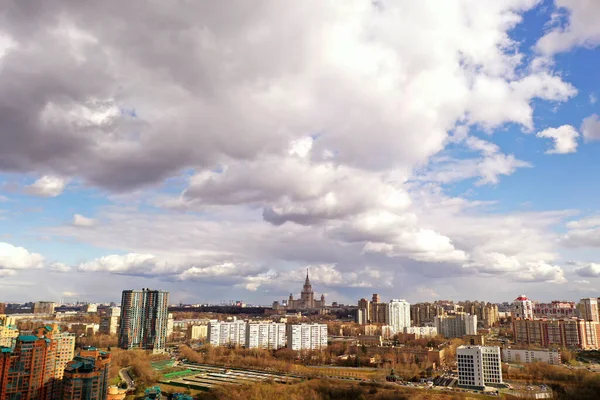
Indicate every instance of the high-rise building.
{"type": "Point", "coordinates": [64, 346]}
{"type": "Point", "coordinates": [306, 336]}
{"type": "Point", "coordinates": [478, 366]}
{"type": "Point", "coordinates": [588, 309]}
{"type": "Point", "coordinates": [307, 298]}
{"type": "Point", "coordinates": [86, 376]}
{"type": "Point", "coordinates": [27, 371]}
{"type": "Point", "coordinates": [363, 312]}
{"type": "Point", "coordinates": [422, 314]}
{"type": "Point", "coordinates": [2, 308]}
{"type": "Point", "coordinates": [109, 323]}
{"type": "Point", "coordinates": [44, 307]}
{"type": "Point", "coordinates": [8, 331]}
{"type": "Point", "coordinates": [227, 333]}
{"type": "Point", "coordinates": [398, 315]}
{"type": "Point", "coordinates": [378, 312]}
{"type": "Point", "coordinates": [143, 322]}
{"type": "Point", "coordinates": [456, 325]}
{"type": "Point", "coordinates": [522, 308]}
{"type": "Point", "coordinates": [265, 335]}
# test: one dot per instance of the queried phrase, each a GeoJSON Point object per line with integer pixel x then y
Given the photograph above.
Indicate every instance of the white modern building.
{"type": "Point", "coordinates": [227, 333]}
{"type": "Point", "coordinates": [398, 315]}
{"type": "Point", "coordinates": [456, 325]}
{"type": "Point", "coordinates": [421, 331]}
{"type": "Point", "coordinates": [265, 335]}
{"type": "Point", "coordinates": [522, 308]}
{"type": "Point", "coordinates": [548, 356]}
{"type": "Point", "coordinates": [588, 309]}
{"type": "Point", "coordinates": [306, 336]}
{"type": "Point", "coordinates": [479, 366]}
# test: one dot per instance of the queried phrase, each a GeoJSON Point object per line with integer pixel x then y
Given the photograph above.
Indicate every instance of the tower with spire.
{"type": "Point", "coordinates": [307, 298]}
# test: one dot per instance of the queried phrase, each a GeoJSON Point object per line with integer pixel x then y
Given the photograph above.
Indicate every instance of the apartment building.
{"type": "Point", "coordinates": [421, 331]}
{"type": "Point", "coordinates": [456, 325]}
{"type": "Point", "coordinates": [306, 336]}
{"type": "Point", "coordinates": [569, 333]}
{"type": "Point", "coordinates": [86, 376]}
{"type": "Point", "coordinates": [265, 335]}
{"type": "Point", "coordinates": [588, 309]}
{"type": "Point", "coordinates": [398, 315]}
{"type": "Point", "coordinates": [144, 320]}
{"type": "Point", "coordinates": [227, 333]}
{"type": "Point", "coordinates": [556, 309]}
{"type": "Point", "coordinates": [44, 307]}
{"type": "Point", "coordinates": [548, 356]}
{"type": "Point", "coordinates": [197, 332]}
{"type": "Point", "coordinates": [478, 366]}
{"type": "Point", "coordinates": [109, 323]}
{"type": "Point", "coordinates": [522, 308]}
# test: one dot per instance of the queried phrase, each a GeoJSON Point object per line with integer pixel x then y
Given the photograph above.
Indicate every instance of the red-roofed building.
{"type": "Point", "coordinates": [522, 308]}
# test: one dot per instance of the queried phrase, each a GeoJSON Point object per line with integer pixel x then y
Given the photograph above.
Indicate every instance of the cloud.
{"type": "Point", "coordinates": [18, 258]}
{"type": "Point", "coordinates": [591, 270]}
{"type": "Point", "coordinates": [59, 267]}
{"type": "Point", "coordinates": [564, 137]}
{"type": "Point", "coordinates": [47, 186]}
{"type": "Point", "coordinates": [581, 27]}
{"type": "Point", "coordinates": [593, 98]}
{"type": "Point", "coordinates": [230, 87]}
{"type": "Point", "coordinates": [590, 128]}
{"type": "Point", "coordinates": [80, 220]}
{"type": "Point", "coordinates": [583, 233]}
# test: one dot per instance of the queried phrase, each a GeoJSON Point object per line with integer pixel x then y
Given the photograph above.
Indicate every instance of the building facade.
{"type": "Point", "coordinates": [522, 308]}
{"type": "Point", "coordinates": [456, 325]}
{"type": "Point", "coordinates": [265, 335]}
{"type": "Point", "coordinates": [548, 356]}
{"type": "Point", "coordinates": [227, 333]}
{"type": "Point", "coordinates": [421, 331]}
{"type": "Point", "coordinates": [44, 307]}
{"type": "Point", "coordinates": [86, 376]}
{"type": "Point", "coordinates": [197, 332]}
{"type": "Point", "coordinates": [398, 315]}
{"type": "Point", "coordinates": [588, 309]}
{"type": "Point", "coordinates": [143, 321]}
{"type": "Point", "coordinates": [478, 366]}
{"type": "Point", "coordinates": [556, 309]}
{"type": "Point", "coordinates": [307, 298]}
{"type": "Point", "coordinates": [306, 336]}
{"type": "Point", "coordinates": [109, 323]}
{"type": "Point", "coordinates": [8, 331]}
{"type": "Point", "coordinates": [567, 333]}
{"type": "Point", "coordinates": [27, 371]}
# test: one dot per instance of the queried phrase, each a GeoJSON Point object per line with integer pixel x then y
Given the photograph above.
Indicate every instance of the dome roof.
{"type": "Point", "coordinates": [521, 298]}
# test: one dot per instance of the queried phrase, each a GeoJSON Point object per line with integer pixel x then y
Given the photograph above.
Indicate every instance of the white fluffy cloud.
{"type": "Point", "coordinates": [581, 27]}
{"type": "Point", "coordinates": [590, 128]}
{"type": "Point", "coordinates": [80, 220]}
{"type": "Point", "coordinates": [17, 258]}
{"type": "Point", "coordinates": [564, 138]}
{"type": "Point", "coordinates": [47, 186]}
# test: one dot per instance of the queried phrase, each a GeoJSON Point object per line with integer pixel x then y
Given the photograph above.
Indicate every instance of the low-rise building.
{"type": "Point", "coordinates": [421, 331]}
{"type": "Point", "coordinates": [548, 356]}
{"type": "Point", "coordinates": [478, 366]}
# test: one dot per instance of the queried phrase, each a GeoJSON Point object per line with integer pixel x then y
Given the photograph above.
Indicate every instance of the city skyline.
{"type": "Point", "coordinates": [419, 151]}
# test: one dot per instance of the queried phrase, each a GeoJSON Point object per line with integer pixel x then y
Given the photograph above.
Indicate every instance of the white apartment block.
{"type": "Point", "coordinates": [227, 333]}
{"type": "Point", "coordinates": [306, 336]}
{"type": "Point", "coordinates": [456, 325]}
{"type": "Point", "coordinates": [265, 335]}
{"type": "Point", "coordinates": [421, 331]}
{"type": "Point", "coordinates": [547, 356]}
{"type": "Point", "coordinates": [478, 366]}
{"type": "Point", "coordinates": [398, 315]}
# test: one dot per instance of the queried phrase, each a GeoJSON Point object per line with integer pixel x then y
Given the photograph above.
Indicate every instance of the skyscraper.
{"type": "Point", "coordinates": [307, 298]}
{"type": "Point", "coordinates": [86, 376]}
{"type": "Point", "coordinates": [398, 315]}
{"type": "Point", "coordinates": [144, 318]}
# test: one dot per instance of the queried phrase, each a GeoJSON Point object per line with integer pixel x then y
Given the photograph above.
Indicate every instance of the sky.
{"type": "Point", "coordinates": [440, 149]}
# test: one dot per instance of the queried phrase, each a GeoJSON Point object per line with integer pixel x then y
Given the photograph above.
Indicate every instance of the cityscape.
{"type": "Point", "coordinates": [299, 199]}
{"type": "Point", "coordinates": [65, 351]}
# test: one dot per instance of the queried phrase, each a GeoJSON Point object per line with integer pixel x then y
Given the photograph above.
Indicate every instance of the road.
{"type": "Point", "coordinates": [126, 377]}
